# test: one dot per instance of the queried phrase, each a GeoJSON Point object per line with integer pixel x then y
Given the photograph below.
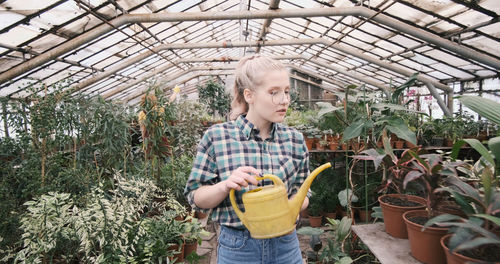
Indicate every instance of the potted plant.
{"type": "Point", "coordinates": [322, 144]}
{"type": "Point", "coordinates": [369, 197]}
{"type": "Point", "coordinates": [192, 234]}
{"type": "Point", "coordinates": [484, 208]}
{"type": "Point", "coordinates": [346, 198]}
{"type": "Point", "coordinates": [163, 238]}
{"type": "Point", "coordinates": [394, 204]}
{"type": "Point", "coordinates": [334, 252]}
{"type": "Point", "coordinates": [314, 210]}
{"type": "Point", "coordinates": [428, 171]}
{"type": "Point", "coordinates": [336, 239]}
{"type": "Point", "coordinates": [476, 231]}
{"type": "Point", "coordinates": [329, 205]}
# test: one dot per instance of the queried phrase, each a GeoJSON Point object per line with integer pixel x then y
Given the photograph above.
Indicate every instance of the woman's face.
{"type": "Point", "coordinates": [271, 98]}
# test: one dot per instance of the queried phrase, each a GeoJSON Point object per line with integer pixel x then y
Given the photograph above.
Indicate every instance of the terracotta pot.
{"type": "Point", "coordinates": [425, 245]}
{"type": "Point", "coordinates": [393, 214]}
{"type": "Point", "coordinates": [315, 221]}
{"type": "Point", "coordinates": [331, 215]}
{"type": "Point", "coordinates": [190, 248]}
{"type": "Point", "coordinates": [179, 218]}
{"type": "Point", "coordinates": [410, 145]}
{"type": "Point", "coordinates": [364, 215]}
{"type": "Point", "coordinates": [200, 215]}
{"type": "Point", "coordinates": [399, 144]}
{"type": "Point", "coordinates": [310, 143]}
{"type": "Point", "coordinates": [334, 145]}
{"type": "Point", "coordinates": [454, 257]}
{"type": "Point", "coordinates": [344, 146]}
{"type": "Point", "coordinates": [179, 257]}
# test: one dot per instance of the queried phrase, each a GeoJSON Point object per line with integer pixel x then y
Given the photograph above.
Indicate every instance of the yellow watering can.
{"type": "Point", "coordinates": [268, 212]}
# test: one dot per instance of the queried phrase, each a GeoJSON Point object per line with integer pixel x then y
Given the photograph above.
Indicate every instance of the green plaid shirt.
{"type": "Point", "coordinates": [228, 146]}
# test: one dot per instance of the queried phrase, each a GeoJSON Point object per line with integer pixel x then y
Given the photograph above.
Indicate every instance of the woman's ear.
{"type": "Point", "coordinates": [248, 95]}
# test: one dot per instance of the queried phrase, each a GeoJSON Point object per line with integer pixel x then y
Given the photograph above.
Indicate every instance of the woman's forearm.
{"type": "Point", "coordinates": [209, 196]}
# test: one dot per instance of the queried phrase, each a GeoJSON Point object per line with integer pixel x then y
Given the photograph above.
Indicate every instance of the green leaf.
{"type": "Point", "coordinates": [483, 106]}
{"type": "Point", "coordinates": [344, 228]}
{"type": "Point", "coordinates": [387, 146]}
{"type": "Point", "coordinates": [420, 160]}
{"type": "Point", "coordinates": [397, 92]}
{"type": "Point", "coordinates": [325, 108]}
{"type": "Point", "coordinates": [356, 128]}
{"type": "Point", "coordinates": [476, 242]}
{"type": "Point", "coordinates": [401, 129]}
{"type": "Point", "coordinates": [344, 260]}
{"type": "Point", "coordinates": [442, 218]}
{"type": "Point", "coordinates": [410, 176]}
{"type": "Point", "coordinates": [344, 196]}
{"type": "Point", "coordinates": [371, 154]}
{"type": "Point", "coordinates": [307, 230]}
{"type": "Point", "coordinates": [463, 188]}
{"type": "Point", "coordinates": [491, 218]}
{"type": "Point", "coordinates": [494, 146]}
{"type": "Point", "coordinates": [477, 145]}
{"type": "Point", "coordinates": [460, 200]}
{"type": "Point", "coordinates": [461, 234]}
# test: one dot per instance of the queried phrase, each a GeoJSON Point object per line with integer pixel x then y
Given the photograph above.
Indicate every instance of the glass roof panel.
{"type": "Point", "coordinates": [42, 33]}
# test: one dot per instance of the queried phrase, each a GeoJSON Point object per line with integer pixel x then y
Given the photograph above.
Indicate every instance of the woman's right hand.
{"type": "Point", "coordinates": [240, 177]}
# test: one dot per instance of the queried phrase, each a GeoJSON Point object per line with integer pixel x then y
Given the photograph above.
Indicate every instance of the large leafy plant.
{"type": "Point", "coordinates": [395, 167]}
{"type": "Point", "coordinates": [480, 208]}
{"type": "Point", "coordinates": [105, 228]}
{"type": "Point", "coordinates": [364, 117]}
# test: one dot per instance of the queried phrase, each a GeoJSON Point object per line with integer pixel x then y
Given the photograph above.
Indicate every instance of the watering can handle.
{"type": "Point", "coordinates": [277, 182]}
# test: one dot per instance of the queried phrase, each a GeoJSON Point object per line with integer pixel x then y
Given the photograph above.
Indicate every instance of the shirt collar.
{"type": "Point", "coordinates": [250, 130]}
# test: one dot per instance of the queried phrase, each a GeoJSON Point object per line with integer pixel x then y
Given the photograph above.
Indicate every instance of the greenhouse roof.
{"type": "Point", "coordinates": [116, 47]}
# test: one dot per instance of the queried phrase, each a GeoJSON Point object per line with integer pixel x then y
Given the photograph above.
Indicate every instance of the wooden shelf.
{"type": "Point", "coordinates": [343, 151]}
{"type": "Point", "coordinates": [386, 248]}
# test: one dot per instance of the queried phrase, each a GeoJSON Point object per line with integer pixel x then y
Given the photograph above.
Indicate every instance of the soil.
{"type": "Point", "coordinates": [399, 202]}
{"type": "Point", "coordinates": [421, 220]}
{"type": "Point", "coordinates": [488, 253]}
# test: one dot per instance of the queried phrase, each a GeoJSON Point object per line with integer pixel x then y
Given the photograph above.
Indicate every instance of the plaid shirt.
{"type": "Point", "coordinates": [228, 146]}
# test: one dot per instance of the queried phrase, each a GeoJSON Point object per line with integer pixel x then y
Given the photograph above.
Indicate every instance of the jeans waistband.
{"type": "Point", "coordinates": [237, 231]}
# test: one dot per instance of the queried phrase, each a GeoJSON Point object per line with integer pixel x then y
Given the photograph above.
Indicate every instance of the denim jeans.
{"type": "Point", "coordinates": [237, 246]}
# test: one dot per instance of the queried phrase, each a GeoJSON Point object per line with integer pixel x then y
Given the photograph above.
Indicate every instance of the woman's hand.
{"type": "Point", "coordinates": [239, 178]}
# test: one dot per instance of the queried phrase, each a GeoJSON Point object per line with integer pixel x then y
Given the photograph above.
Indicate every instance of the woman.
{"type": "Point", "coordinates": [231, 154]}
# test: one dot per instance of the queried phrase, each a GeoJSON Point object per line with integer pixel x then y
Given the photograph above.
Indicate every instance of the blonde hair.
{"type": "Point", "coordinates": [247, 76]}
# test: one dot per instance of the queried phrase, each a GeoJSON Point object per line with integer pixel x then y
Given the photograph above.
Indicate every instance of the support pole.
{"type": "Point", "coordinates": [5, 123]}
{"type": "Point", "coordinates": [440, 101]}
{"type": "Point", "coordinates": [273, 5]}
{"type": "Point", "coordinates": [450, 101]}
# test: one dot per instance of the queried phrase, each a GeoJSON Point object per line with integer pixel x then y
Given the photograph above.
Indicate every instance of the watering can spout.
{"type": "Point", "coordinates": [296, 202]}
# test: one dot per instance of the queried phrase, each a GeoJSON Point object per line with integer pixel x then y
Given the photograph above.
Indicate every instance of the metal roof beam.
{"type": "Point", "coordinates": [168, 66]}
{"type": "Point", "coordinates": [134, 101]}
{"type": "Point", "coordinates": [258, 14]}
{"type": "Point", "coordinates": [164, 82]}
{"type": "Point", "coordinates": [325, 42]}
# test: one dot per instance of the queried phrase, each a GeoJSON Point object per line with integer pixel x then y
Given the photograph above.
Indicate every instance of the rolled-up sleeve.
{"type": "Point", "coordinates": [204, 171]}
